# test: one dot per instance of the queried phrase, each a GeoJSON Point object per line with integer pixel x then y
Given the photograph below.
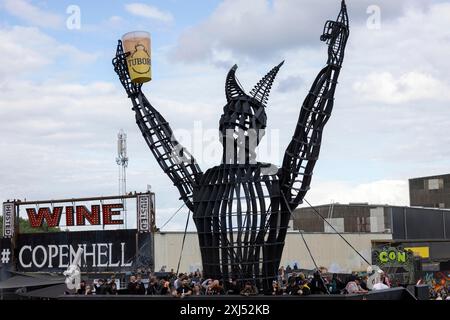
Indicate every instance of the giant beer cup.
{"type": "Point", "coordinates": [137, 43]}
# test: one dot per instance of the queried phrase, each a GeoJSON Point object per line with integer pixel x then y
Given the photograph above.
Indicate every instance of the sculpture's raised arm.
{"type": "Point", "coordinates": [176, 162]}
{"type": "Point", "coordinates": [303, 150]}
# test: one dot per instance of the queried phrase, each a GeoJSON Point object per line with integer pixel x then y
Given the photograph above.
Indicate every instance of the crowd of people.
{"type": "Point", "coordinates": [289, 282]}
{"type": "Point", "coordinates": [440, 293]}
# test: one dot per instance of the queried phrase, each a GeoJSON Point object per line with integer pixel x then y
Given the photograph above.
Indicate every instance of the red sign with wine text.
{"type": "Point", "coordinates": [78, 212]}
{"type": "Point", "coordinates": [78, 215]}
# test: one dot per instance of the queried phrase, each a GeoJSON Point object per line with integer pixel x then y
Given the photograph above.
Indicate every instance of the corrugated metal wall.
{"type": "Point", "coordinates": [329, 251]}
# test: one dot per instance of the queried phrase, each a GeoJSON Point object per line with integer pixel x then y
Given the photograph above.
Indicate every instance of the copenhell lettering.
{"type": "Point", "coordinates": [75, 215]}
{"type": "Point", "coordinates": [95, 255]}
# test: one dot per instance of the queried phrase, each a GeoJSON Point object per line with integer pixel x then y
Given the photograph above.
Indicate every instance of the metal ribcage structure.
{"type": "Point", "coordinates": [238, 214]}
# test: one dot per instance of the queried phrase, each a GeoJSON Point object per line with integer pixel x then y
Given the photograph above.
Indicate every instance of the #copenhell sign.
{"type": "Point", "coordinates": [102, 250]}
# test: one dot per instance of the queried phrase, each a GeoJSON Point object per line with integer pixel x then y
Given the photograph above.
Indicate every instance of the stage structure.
{"type": "Point", "coordinates": [241, 208]}
{"type": "Point", "coordinates": [81, 223]}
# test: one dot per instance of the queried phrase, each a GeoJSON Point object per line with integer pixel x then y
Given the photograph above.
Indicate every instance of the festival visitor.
{"type": "Point", "coordinates": [281, 274]}
{"type": "Point", "coordinates": [249, 289]}
{"type": "Point", "coordinates": [132, 285]}
{"type": "Point", "coordinates": [215, 288]}
{"type": "Point", "coordinates": [304, 288]}
{"type": "Point", "coordinates": [184, 289]}
{"type": "Point", "coordinates": [317, 284]}
{"type": "Point", "coordinates": [154, 287]}
{"type": "Point", "coordinates": [197, 290]}
{"type": "Point", "coordinates": [82, 289]}
{"type": "Point", "coordinates": [233, 287]}
{"type": "Point", "coordinates": [165, 287]}
{"type": "Point", "coordinates": [363, 282]}
{"type": "Point", "coordinates": [88, 290]}
{"type": "Point", "coordinates": [335, 285]}
{"type": "Point", "coordinates": [178, 281]}
{"type": "Point", "coordinates": [353, 286]}
{"type": "Point", "coordinates": [276, 289]}
{"type": "Point", "coordinates": [100, 287]}
{"type": "Point", "coordinates": [380, 282]}
{"type": "Point", "coordinates": [112, 288]}
{"type": "Point", "coordinates": [293, 287]}
{"type": "Point", "coordinates": [140, 287]}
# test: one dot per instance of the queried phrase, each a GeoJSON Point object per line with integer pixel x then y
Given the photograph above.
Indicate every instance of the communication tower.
{"type": "Point", "coordinates": [122, 162]}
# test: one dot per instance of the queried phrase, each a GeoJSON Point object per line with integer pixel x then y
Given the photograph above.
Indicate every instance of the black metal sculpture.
{"type": "Point", "coordinates": [241, 208]}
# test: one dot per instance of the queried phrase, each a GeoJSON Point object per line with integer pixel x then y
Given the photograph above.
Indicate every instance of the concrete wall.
{"type": "Point", "coordinates": [329, 250]}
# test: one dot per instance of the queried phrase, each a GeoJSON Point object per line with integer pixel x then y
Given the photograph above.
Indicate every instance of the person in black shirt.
{"type": "Point", "coordinates": [185, 289]}
{"type": "Point", "coordinates": [233, 287]}
{"type": "Point", "coordinates": [292, 288]}
{"type": "Point", "coordinates": [317, 284]}
{"type": "Point", "coordinates": [215, 288]}
{"type": "Point", "coordinates": [111, 287]}
{"type": "Point", "coordinates": [101, 287]}
{"type": "Point", "coordinates": [363, 282]}
{"type": "Point", "coordinates": [336, 285]}
{"type": "Point", "coordinates": [131, 288]}
{"type": "Point", "coordinates": [154, 287]}
{"type": "Point", "coordinates": [82, 289]}
{"type": "Point", "coordinates": [140, 287]}
{"type": "Point", "coordinates": [249, 289]}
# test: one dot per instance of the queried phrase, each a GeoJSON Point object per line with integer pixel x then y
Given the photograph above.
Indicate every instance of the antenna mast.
{"type": "Point", "coordinates": [122, 162]}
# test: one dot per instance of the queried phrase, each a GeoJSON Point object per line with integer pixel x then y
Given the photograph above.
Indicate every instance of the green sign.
{"type": "Point", "coordinates": [392, 257]}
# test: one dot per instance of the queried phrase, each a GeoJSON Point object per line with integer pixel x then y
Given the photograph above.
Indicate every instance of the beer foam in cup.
{"type": "Point", "coordinates": [137, 43]}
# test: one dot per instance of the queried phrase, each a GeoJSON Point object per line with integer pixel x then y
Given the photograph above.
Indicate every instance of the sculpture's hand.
{"type": "Point", "coordinates": [120, 67]}
{"type": "Point", "coordinates": [335, 34]}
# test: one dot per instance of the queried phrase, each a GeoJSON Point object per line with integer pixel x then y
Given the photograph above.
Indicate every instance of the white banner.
{"type": "Point", "coordinates": [143, 208]}
{"type": "Point", "coordinates": [8, 220]}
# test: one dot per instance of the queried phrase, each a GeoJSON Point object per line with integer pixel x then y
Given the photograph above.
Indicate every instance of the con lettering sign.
{"type": "Point", "coordinates": [103, 251]}
{"type": "Point", "coordinates": [8, 220]}
{"type": "Point", "coordinates": [392, 257]}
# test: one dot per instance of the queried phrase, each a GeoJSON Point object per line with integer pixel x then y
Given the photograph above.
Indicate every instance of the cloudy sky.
{"type": "Point", "coordinates": [61, 104]}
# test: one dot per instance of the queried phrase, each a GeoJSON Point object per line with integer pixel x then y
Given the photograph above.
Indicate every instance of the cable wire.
{"type": "Point", "coordinates": [334, 229]}
{"type": "Point", "coordinates": [173, 215]}
{"type": "Point", "coordinates": [306, 244]}
{"type": "Point", "coordinates": [184, 239]}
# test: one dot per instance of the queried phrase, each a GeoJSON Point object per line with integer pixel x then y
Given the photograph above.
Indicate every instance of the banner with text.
{"type": "Point", "coordinates": [103, 251]}
{"type": "Point", "coordinates": [145, 212]}
{"type": "Point", "coordinates": [8, 219]}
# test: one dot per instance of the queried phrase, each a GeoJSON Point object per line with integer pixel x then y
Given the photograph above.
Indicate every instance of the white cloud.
{"type": "Point", "coordinates": [148, 11]}
{"type": "Point", "coordinates": [260, 29]}
{"type": "Point", "coordinates": [115, 20]}
{"type": "Point", "coordinates": [25, 11]}
{"type": "Point", "coordinates": [392, 192]}
{"type": "Point", "coordinates": [27, 49]}
{"type": "Point", "coordinates": [384, 87]}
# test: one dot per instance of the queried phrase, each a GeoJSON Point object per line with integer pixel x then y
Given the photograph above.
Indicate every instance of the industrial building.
{"type": "Point", "coordinates": [366, 227]}
{"type": "Point", "coordinates": [432, 191]}
{"type": "Point", "coordinates": [425, 230]}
